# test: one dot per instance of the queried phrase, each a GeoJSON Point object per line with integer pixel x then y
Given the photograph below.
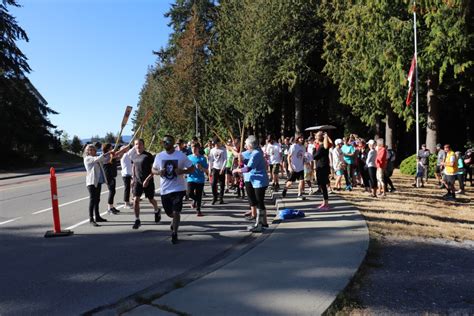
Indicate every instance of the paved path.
{"type": "Point", "coordinates": [297, 267]}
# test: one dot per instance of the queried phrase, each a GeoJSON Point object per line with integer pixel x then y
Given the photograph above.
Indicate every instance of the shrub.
{"type": "Point", "coordinates": [408, 166]}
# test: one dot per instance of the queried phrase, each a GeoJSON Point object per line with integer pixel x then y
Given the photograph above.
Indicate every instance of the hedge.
{"type": "Point", "coordinates": [408, 165]}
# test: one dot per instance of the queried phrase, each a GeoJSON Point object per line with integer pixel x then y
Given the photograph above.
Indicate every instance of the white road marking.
{"type": "Point", "coordinates": [87, 221]}
{"type": "Point", "coordinates": [71, 202]}
{"type": "Point", "coordinates": [10, 220]}
{"type": "Point", "coordinates": [101, 214]}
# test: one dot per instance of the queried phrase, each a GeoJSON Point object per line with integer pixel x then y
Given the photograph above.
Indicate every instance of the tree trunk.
{"type": "Point", "coordinates": [298, 110]}
{"type": "Point", "coordinates": [432, 122]}
{"type": "Point", "coordinates": [283, 116]}
{"type": "Point", "coordinates": [390, 122]}
{"type": "Point", "coordinates": [378, 128]}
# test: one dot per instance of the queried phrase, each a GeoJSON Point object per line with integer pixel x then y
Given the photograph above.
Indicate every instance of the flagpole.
{"type": "Point", "coordinates": [416, 80]}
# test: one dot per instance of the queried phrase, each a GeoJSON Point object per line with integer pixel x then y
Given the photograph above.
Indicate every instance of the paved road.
{"type": "Point", "coordinates": [96, 266]}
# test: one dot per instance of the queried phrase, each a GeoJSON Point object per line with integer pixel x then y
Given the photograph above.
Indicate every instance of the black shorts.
{"type": "Point", "coordinates": [438, 169]}
{"type": "Point", "coordinates": [296, 176]}
{"type": "Point", "coordinates": [228, 171]}
{"type": "Point", "coordinates": [275, 169]}
{"type": "Point", "coordinates": [173, 202]}
{"type": "Point", "coordinates": [149, 191]}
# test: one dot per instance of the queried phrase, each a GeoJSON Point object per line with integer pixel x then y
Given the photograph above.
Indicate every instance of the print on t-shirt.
{"type": "Point", "coordinates": [170, 167]}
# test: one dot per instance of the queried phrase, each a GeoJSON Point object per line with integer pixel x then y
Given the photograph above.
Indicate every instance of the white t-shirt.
{"type": "Point", "coordinates": [126, 162]}
{"type": "Point", "coordinates": [297, 157]}
{"type": "Point", "coordinates": [310, 148]}
{"type": "Point", "coordinates": [274, 153]}
{"type": "Point", "coordinates": [217, 158]}
{"type": "Point", "coordinates": [171, 182]}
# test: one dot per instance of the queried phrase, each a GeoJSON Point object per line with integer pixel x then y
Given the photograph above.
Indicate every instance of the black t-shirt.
{"type": "Point", "coordinates": [142, 166]}
{"type": "Point", "coordinates": [110, 170]}
{"type": "Point", "coordinates": [321, 155]}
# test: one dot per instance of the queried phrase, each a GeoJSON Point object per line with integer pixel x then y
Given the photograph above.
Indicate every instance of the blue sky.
{"type": "Point", "coordinates": [90, 57]}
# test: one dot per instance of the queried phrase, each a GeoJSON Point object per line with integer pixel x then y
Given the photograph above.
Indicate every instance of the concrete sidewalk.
{"type": "Point", "coordinates": [297, 267]}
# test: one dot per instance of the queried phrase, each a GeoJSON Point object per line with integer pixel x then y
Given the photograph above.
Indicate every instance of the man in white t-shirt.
{"type": "Point", "coordinates": [273, 152]}
{"type": "Point", "coordinates": [296, 166]}
{"type": "Point", "coordinates": [171, 165]}
{"type": "Point", "coordinates": [217, 161]}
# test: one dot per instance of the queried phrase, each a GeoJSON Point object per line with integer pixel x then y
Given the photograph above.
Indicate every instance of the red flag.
{"type": "Point", "coordinates": [411, 81]}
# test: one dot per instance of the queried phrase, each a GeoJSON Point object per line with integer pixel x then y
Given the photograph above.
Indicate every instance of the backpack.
{"type": "Point", "coordinates": [468, 158]}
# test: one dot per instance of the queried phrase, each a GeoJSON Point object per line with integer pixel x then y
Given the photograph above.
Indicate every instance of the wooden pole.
{"type": "Point", "coordinates": [128, 110]}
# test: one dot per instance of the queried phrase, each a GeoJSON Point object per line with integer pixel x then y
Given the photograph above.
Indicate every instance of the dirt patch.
{"type": "Point", "coordinates": [421, 255]}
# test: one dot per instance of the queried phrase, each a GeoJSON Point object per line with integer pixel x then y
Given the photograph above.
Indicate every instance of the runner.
{"type": "Point", "coordinates": [321, 156]}
{"type": "Point", "coordinates": [171, 165]}
{"type": "Point", "coordinates": [196, 179]}
{"type": "Point", "coordinates": [296, 167]}
{"type": "Point", "coordinates": [217, 160]}
{"type": "Point", "coordinates": [142, 179]}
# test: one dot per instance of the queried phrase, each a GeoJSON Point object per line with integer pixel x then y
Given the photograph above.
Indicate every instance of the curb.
{"type": "Point", "coordinates": [164, 287]}
{"type": "Point", "coordinates": [35, 173]}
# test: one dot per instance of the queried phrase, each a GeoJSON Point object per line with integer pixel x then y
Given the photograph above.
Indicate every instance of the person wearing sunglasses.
{"type": "Point", "coordinates": [171, 165]}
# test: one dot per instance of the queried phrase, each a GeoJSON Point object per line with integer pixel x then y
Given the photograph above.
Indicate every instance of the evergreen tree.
{"type": "Point", "coordinates": [24, 125]}
{"type": "Point", "coordinates": [109, 138]}
{"type": "Point", "coordinates": [65, 142]}
{"type": "Point", "coordinates": [76, 145]}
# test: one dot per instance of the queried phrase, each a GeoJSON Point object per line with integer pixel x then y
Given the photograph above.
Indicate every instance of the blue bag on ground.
{"type": "Point", "coordinates": [289, 213]}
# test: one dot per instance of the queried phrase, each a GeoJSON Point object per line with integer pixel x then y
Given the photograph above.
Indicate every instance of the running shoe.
{"type": "Point", "coordinates": [324, 208]}
{"type": "Point", "coordinates": [174, 238]}
{"type": "Point", "coordinates": [137, 224]}
{"type": "Point", "coordinates": [255, 228]}
{"type": "Point", "coordinates": [157, 217]}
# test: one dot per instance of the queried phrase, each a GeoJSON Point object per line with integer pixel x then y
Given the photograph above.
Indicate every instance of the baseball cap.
{"type": "Point", "coordinates": [371, 142]}
{"type": "Point", "coordinates": [338, 141]}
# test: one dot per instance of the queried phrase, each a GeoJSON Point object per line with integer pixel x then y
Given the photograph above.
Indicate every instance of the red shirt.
{"type": "Point", "coordinates": [381, 159]}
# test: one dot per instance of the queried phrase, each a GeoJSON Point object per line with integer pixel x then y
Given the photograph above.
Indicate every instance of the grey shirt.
{"type": "Point", "coordinates": [424, 155]}
{"type": "Point", "coordinates": [370, 162]}
{"type": "Point", "coordinates": [441, 157]}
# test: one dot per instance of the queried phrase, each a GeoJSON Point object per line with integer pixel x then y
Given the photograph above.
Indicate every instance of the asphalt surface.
{"type": "Point", "coordinates": [96, 266]}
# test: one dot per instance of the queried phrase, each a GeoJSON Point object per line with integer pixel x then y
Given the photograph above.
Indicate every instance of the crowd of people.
{"type": "Point", "coordinates": [451, 167]}
{"type": "Point", "coordinates": [249, 169]}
